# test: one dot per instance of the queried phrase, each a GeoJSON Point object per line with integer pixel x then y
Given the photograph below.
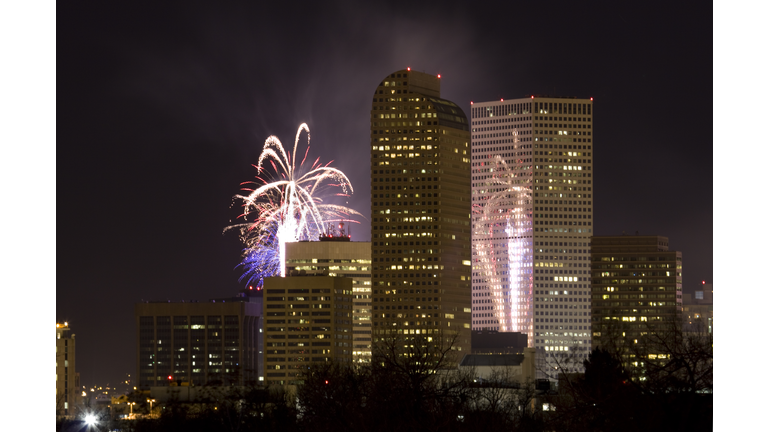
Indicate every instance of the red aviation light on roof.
{"type": "Point", "coordinates": [408, 69]}
{"type": "Point", "coordinates": [438, 75]}
{"type": "Point", "coordinates": [531, 96]}
{"type": "Point", "coordinates": [471, 103]}
{"type": "Point", "coordinates": [591, 99]}
{"type": "Point", "coordinates": [702, 282]}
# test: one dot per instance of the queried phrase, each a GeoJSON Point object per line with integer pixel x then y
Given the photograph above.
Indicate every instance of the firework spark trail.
{"type": "Point", "coordinates": [287, 209]}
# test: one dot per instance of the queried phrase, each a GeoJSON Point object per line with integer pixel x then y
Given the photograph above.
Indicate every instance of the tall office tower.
{"type": "Point", "coordinates": [67, 380]}
{"type": "Point", "coordinates": [531, 224]}
{"type": "Point", "coordinates": [338, 256]}
{"type": "Point", "coordinates": [636, 285]}
{"type": "Point", "coordinates": [214, 343]}
{"type": "Point", "coordinates": [308, 320]}
{"type": "Point", "coordinates": [420, 212]}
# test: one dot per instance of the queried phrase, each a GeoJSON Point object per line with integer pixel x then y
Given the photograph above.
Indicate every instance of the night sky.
{"type": "Point", "coordinates": [163, 108]}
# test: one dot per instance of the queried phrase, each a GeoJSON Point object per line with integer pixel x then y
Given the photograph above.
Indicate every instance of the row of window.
{"type": "Point", "coordinates": [502, 127]}
{"type": "Point", "coordinates": [508, 109]}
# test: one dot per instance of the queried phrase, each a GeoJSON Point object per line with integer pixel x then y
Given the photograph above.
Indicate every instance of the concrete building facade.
{"type": "Point", "coordinates": [420, 211]}
{"type": "Point", "coordinates": [339, 257]}
{"type": "Point", "coordinates": [214, 343]}
{"type": "Point", "coordinates": [308, 319]}
{"type": "Point", "coordinates": [531, 224]}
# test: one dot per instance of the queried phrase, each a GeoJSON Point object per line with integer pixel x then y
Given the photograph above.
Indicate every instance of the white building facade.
{"type": "Point", "coordinates": [531, 225]}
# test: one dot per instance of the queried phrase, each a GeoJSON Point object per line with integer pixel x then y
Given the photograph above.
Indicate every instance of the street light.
{"type": "Point", "coordinates": [131, 405]}
{"type": "Point", "coordinates": [150, 406]}
{"type": "Point", "coordinates": [90, 419]}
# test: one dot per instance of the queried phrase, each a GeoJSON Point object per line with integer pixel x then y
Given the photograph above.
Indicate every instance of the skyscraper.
{"type": "Point", "coordinates": [531, 222]}
{"type": "Point", "coordinates": [420, 211]}
{"type": "Point", "coordinates": [338, 256]}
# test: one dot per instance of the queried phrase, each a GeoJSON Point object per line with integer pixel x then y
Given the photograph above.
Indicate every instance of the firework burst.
{"type": "Point", "coordinates": [286, 206]}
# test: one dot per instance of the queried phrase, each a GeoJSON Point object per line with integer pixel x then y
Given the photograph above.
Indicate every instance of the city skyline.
{"type": "Point", "coordinates": [189, 101]}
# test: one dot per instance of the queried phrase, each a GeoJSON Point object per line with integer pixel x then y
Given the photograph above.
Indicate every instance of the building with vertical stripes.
{"type": "Point", "coordinates": [338, 256]}
{"type": "Point", "coordinates": [420, 212]}
{"type": "Point", "coordinates": [308, 319]}
{"type": "Point", "coordinates": [531, 224]}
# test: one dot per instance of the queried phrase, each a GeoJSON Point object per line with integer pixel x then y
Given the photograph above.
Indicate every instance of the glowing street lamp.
{"type": "Point", "coordinates": [90, 419]}
{"type": "Point", "coordinates": [150, 406]}
{"type": "Point", "coordinates": [131, 405]}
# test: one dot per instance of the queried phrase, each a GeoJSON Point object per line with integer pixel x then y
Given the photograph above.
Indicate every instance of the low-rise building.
{"type": "Point", "coordinates": [495, 342]}
{"type": "Point", "coordinates": [502, 368]}
{"type": "Point", "coordinates": [215, 342]}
